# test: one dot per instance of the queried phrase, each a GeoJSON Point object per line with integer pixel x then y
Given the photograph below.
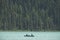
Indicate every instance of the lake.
{"type": "Point", "coordinates": [37, 36]}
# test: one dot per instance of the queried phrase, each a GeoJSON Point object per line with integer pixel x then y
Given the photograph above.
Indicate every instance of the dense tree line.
{"type": "Point", "coordinates": [32, 15]}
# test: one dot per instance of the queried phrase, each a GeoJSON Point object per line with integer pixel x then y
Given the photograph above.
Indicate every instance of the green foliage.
{"type": "Point", "coordinates": [34, 15]}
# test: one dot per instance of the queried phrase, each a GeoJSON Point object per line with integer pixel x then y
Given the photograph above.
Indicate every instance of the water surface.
{"type": "Point", "coordinates": [37, 36]}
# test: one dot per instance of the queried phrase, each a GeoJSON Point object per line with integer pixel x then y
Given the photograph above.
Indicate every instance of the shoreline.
{"type": "Point", "coordinates": [25, 31]}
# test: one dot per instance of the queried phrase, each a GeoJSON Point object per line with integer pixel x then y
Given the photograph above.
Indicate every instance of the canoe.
{"type": "Point", "coordinates": [28, 35]}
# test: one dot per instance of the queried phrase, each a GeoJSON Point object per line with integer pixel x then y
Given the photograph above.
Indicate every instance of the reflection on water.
{"type": "Point", "coordinates": [37, 36]}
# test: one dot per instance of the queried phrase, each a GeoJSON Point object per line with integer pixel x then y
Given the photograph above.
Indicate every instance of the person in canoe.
{"type": "Point", "coordinates": [29, 35]}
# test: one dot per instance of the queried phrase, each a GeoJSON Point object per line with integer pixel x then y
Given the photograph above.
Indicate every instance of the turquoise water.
{"type": "Point", "coordinates": [37, 36]}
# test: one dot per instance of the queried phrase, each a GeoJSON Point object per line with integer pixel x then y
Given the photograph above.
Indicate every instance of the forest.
{"type": "Point", "coordinates": [30, 15]}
